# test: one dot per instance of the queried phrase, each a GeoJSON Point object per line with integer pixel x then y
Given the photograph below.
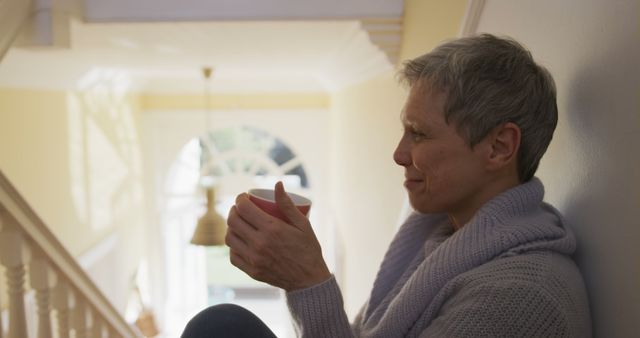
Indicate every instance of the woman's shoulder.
{"type": "Point", "coordinates": [525, 288]}
{"type": "Point", "coordinates": [542, 269]}
{"type": "Point", "coordinates": [547, 278]}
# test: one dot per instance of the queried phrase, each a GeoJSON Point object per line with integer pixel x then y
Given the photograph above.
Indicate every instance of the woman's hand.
{"type": "Point", "coordinates": [285, 255]}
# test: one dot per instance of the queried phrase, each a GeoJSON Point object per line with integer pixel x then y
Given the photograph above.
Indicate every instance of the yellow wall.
{"type": "Point", "coordinates": [429, 22]}
{"type": "Point", "coordinates": [367, 187]}
{"type": "Point", "coordinates": [45, 150]}
{"type": "Point", "coordinates": [74, 156]}
{"type": "Point", "coordinates": [33, 151]}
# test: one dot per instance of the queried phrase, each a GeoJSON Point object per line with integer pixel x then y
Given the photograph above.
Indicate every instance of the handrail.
{"type": "Point", "coordinates": [39, 236]}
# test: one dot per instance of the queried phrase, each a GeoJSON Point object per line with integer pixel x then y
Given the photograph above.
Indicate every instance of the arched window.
{"type": "Point", "coordinates": [250, 153]}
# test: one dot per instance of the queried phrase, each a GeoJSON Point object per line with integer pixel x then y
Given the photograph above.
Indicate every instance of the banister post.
{"type": "Point", "coordinates": [43, 279]}
{"type": "Point", "coordinates": [1, 329]}
{"type": "Point", "coordinates": [2, 221]}
{"type": "Point", "coordinates": [97, 328]}
{"type": "Point", "coordinates": [113, 333]}
{"type": "Point", "coordinates": [79, 318]}
{"type": "Point", "coordinates": [62, 303]}
{"type": "Point", "coordinates": [14, 255]}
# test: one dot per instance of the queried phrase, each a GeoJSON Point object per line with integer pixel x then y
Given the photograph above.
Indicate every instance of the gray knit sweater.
{"type": "Point", "coordinates": [506, 273]}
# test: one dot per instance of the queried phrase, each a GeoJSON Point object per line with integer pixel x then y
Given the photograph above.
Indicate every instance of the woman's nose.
{"type": "Point", "coordinates": [402, 155]}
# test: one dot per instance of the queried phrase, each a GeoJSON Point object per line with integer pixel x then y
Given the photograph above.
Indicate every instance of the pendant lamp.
{"type": "Point", "coordinates": [211, 228]}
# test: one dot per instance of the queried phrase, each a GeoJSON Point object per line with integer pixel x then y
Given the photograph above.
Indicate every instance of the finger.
{"type": "Point", "coordinates": [252, 214]}
{"type": "Point", "coordinates": [286, 206]}
{"type": "Point", "coordinates": [242, 196]}
{"type": "Point", "coordinates": [235, 243]}
{"type": "Point", "coordinates": [240, 227]}
{"type": "Point", "coordinates": [245, 206]}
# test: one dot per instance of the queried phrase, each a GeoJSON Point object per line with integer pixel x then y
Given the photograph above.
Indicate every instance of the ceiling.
{"type": "Point", "coordinates": [253, 46]}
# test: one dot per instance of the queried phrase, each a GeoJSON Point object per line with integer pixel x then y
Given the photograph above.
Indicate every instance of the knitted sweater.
{"type": "Point", "coordinates": [506, 273]}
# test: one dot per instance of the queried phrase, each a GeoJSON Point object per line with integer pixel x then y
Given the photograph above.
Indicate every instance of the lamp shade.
{"type": "Point", "coordinates": [211, 228]}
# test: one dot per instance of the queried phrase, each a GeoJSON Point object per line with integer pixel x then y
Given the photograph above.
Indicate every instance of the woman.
{"type": "Point", "coordinates": [483, 255]}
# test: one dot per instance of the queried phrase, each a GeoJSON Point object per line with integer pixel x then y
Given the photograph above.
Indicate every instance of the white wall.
{"type": "Point", "coordinates": [367, 191]}
{"type": "Point", "coordinates": [591, 171]}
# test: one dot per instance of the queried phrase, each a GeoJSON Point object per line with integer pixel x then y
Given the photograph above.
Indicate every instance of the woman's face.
{"type": "Point", "coordinates": [442, 173]}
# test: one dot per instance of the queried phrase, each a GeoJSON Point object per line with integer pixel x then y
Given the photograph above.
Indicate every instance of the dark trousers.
{"type": "Point", "coordinates": [226, 321]}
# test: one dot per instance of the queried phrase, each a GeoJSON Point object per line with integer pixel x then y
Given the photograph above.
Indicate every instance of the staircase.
{"type": "Point", "coordinates": [43, 287]}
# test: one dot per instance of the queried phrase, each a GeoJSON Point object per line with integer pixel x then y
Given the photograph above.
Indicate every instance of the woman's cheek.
{"type": "Point", "coordinates": [432, 179]}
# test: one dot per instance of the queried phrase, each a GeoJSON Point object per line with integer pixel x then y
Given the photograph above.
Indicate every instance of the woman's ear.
{"type": "Point", "coordinates": [504, 141]}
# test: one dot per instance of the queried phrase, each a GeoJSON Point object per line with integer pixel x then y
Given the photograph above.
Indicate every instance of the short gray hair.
{"type": "Point", "coordinates": [489, 81]}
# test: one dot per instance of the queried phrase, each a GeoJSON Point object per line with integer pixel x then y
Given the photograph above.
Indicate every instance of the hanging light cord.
{"type": "Point", "coordinates": [206, 72]}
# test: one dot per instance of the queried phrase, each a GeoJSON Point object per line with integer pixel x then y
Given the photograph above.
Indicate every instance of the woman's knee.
{"type": "Point", "coordinates": [226, 320]}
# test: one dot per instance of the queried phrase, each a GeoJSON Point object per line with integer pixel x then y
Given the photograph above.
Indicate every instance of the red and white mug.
{"type": "Point", "coordinates": [265, 199]}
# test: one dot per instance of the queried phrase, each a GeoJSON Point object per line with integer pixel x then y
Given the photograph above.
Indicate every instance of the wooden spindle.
{"type": "Point", "coordinates": [97, 327]}
{"type": "Point", "coordinates": [1, 310]}
{"type": "Point", "coordinates": [62, 300]}
{"type": "Point", "coordinates": [14, 255]}
{"type": "Point", "coordinates": [91, 314]}
{"type": "Point", "coordinates": [79, 318]}
{"type": "Point", "coordinates": [17, 318]}
{"type": "Point", "coordinates": [1, 306]}
{"type": "Point", "coordinates": [43, 279]}
{"type": "Point", "coordinates": [3, 220]}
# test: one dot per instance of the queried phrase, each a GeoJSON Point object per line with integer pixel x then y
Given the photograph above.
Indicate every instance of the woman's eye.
{"type": "Point", "coordinates": [416, 135]}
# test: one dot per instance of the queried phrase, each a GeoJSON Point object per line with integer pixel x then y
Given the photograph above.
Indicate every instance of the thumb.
{"type": "Point", "coordinates": [288, 209]}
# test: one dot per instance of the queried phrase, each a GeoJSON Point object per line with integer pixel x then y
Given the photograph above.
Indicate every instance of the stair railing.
{"type": "Point", "coordinates": [67, 302]}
